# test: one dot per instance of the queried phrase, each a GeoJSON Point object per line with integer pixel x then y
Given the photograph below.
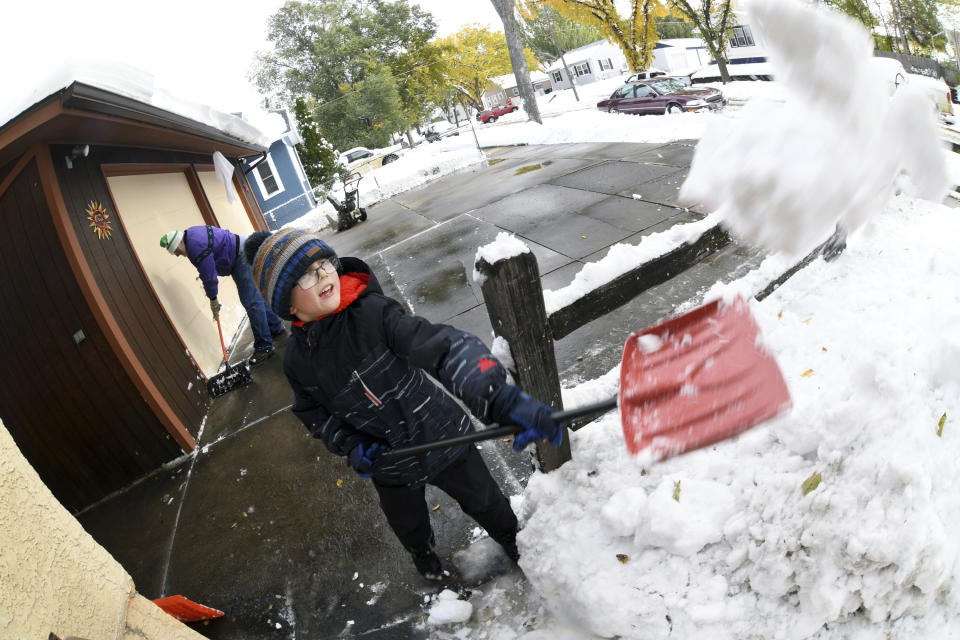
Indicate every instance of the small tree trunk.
{"type": "Point", "coordinates": [517, 59]}
{"type": "Point", "coordinates": [722, 66]}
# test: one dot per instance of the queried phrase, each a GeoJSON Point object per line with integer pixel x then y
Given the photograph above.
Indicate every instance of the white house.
{"type": "Point", "coordinates": [747, 59]}
{"type": "Point", "coordinates": [596, 61]}
{"type": "Point", "coordinates": [680, 56]}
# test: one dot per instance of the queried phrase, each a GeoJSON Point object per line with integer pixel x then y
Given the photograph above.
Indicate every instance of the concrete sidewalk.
{"type": "Point", "coordinates": [263, 523]}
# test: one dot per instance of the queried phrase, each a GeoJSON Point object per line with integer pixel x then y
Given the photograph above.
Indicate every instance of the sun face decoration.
{"type": "Point", "coordinates": [99, 219]}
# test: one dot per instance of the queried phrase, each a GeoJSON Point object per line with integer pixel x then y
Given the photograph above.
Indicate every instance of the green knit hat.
{"type": "Point", "coordinates": [171, 240]}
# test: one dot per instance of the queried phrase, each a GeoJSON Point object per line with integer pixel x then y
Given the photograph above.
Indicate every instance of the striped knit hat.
{"type": "Point", "coordinates": [278, 260]}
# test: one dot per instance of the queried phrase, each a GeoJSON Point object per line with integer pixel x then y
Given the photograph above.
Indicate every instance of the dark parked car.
{"type": "Point", "coordinates": [662, 95]}
{"type": "Point", "coordinates": [491, 115]}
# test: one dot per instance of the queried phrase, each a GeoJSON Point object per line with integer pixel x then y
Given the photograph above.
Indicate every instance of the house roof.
{"type": "Point", "coordinates": [508, 80]}
{"type": "Point", "coordinates": [121, 112]}
{"type": "Point", "coordinates": [680, 43]}
{"type": "Point", "coordinates": [578, 54]}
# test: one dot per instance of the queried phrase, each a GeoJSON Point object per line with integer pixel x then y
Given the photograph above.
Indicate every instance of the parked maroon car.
{"type": "Point", "coordinates": [661, 95]}
{"type": "Point", "coordinates": [491, 115]}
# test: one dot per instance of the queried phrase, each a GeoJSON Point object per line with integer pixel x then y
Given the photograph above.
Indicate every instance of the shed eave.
{"type": "Point", "coordinates": [89, 98]}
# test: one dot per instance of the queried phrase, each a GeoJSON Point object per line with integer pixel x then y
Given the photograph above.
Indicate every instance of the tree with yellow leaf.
{"type": "Point", "coordinates": [714, 20]}
{"type": "Point", "coordinates": [477, 55]}
{"type": "Point", "coordinates": [635, 34]}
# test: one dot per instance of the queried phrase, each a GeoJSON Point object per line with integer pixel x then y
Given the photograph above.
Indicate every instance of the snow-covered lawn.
{"type": "Point", "coordinates": [870, 348]}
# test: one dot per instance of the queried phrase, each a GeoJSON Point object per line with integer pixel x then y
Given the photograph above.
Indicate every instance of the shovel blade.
{"type": "Point", "coordinates": [233, 377]}
{"type": "Point", "coordinates": [186, 610]}
{"type": "Point", "coordinates": [696, 379]}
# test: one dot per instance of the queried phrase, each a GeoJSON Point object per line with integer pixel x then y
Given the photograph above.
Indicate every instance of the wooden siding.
{"type": "Point", "coordinates": [126, 289]}
{"type": "Point", "coordinates": [5, 169]}
{"type": "Point", "coordinates": [71, 407]}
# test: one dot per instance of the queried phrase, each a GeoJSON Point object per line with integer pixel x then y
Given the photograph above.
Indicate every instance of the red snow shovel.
{"type": "Point", "coordinates": [231, 377]}
{"type": "Point", "coordinates": [685, 383]}
{"type": "Point", "coordinates": [186, 610]}
{"type": "Point", "coordinates": [696, 379]}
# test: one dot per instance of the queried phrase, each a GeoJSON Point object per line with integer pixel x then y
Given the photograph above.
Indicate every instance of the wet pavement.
{"type": "Point", "coordinates": [265, 524]}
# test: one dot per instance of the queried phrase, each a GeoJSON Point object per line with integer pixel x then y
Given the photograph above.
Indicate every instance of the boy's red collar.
{"type": "Point", "coordinates": [351, 286]}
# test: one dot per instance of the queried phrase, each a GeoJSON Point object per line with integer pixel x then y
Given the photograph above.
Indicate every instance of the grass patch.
{"type": "Point", "coordinates": [495, 161]}
{"type": "Point", "coordinates": [527, 169]}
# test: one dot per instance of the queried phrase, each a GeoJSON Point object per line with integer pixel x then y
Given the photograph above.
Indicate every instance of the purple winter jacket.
{"type": "Point", "coordinates": [219, 261]}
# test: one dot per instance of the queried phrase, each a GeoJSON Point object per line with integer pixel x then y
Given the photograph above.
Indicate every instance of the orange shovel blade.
{"type": "Point", "coordinates": [696, 379]}
{"type": "Point", "coordinates": [186, 610]}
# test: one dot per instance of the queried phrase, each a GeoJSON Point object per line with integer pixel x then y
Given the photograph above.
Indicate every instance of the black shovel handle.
{"type": "Point", "coordinates": [499, 432]}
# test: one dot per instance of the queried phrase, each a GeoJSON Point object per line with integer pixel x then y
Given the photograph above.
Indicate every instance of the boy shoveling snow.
{"type": "Point", "coordinates": [358, 367]}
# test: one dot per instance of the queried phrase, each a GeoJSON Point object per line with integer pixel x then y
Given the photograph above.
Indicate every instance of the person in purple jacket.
{"type": "Point", "coordinates": [217, 252]}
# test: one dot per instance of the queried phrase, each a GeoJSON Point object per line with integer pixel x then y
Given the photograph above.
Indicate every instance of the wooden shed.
{"type": "Point", "coordinates": [106, 339]}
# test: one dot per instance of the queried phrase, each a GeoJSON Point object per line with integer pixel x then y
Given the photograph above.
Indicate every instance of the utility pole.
{"type": "Point", "coordinates": [553, 32]}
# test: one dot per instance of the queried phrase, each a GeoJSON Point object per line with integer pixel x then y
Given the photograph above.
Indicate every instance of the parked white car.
{"type": "Point", "coordinates": [645, 75]}
{"type": "Point", "coordinates": [896, 76]}
{"type": "Point", "coordinates": [937, 89]}
{"type": "Point", "coordinates": [365, 160]}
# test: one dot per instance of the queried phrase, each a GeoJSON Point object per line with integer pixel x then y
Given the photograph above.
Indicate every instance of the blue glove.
{"type": "Point", "coordinates": [363, 458]}
{"type": "Point", "coordinates": [513, 406]}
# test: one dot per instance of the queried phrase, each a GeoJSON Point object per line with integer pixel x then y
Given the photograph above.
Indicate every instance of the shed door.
{"type": "Point", "coordinates": [150, 205]}
{"type": "Point", "coordinates": [66, 400]}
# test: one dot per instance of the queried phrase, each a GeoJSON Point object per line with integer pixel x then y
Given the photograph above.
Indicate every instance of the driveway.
{"type": "Point", "coordinates": [263, 523]}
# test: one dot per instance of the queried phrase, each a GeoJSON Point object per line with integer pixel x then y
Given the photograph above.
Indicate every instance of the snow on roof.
{"type": "Point", "coordinates": [508, 80]}
{"type": "Point", "coordinates": [682, 43]}
{"type": "Point", "coordinates": [130, 82]}
{"type": "Point", "coordinates": [272, 124]}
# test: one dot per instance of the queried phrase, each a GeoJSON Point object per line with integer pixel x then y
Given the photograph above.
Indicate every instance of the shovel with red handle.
{"type": "Point", "coordinates": [685, 383]}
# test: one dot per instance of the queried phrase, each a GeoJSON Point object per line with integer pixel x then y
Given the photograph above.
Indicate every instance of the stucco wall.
{"type": "Point", "coordinates": [55, 577]}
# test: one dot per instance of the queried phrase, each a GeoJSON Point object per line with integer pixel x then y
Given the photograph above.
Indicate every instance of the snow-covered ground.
{"type": "Point", "coordinates": [565, 120]}
{"type": "Point", "coordinates": [836, 520]}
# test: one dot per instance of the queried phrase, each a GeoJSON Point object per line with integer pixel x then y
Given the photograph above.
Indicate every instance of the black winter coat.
{"type": "Point", "coordinates": [359, 376]}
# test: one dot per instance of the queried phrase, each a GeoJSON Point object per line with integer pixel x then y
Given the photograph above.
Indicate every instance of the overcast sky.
{"type": "Point", "coordinates": [199, 50]}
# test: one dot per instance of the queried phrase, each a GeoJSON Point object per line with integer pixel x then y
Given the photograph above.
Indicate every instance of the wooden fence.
{"type": "Point", "coordinates": [514, 297]}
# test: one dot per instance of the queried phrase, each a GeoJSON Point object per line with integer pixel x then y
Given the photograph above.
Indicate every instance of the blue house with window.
{"type": "Point", "coordinates": [278, 180]}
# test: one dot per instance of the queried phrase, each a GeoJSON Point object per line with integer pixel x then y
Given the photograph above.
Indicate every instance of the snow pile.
{"type": "Point", "coordinates": [415, 168]}
{"type": "Point", "coordinates": [740, 540]}
{"type": "Point", "coordinates": [596, 126]}
{"type": "Point", "coordinates": [784, 173]}
{"type": "Point", "coordinates": [422, 165]}
{"type": "Point", "coordinates": [447, 609]}
{"type": "Point", "coordinates": [506, 245]}
{"type": "Point", "coordinates": [622, 258]}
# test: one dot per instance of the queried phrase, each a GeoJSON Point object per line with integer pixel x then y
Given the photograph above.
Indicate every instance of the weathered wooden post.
{"type": "Point", "coordinates": [514, 297]}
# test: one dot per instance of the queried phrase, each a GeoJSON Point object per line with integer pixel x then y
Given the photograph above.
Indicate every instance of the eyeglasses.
{"type": "Point", "coordinates": [312, 277]}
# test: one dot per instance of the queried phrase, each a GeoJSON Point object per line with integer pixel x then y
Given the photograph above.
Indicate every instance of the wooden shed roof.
{"type": "Point", "coordinates": [86, 114]}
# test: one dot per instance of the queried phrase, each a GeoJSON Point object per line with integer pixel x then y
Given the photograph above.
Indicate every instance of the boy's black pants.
{"type": "Point", "coordinates": [468, 481]}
